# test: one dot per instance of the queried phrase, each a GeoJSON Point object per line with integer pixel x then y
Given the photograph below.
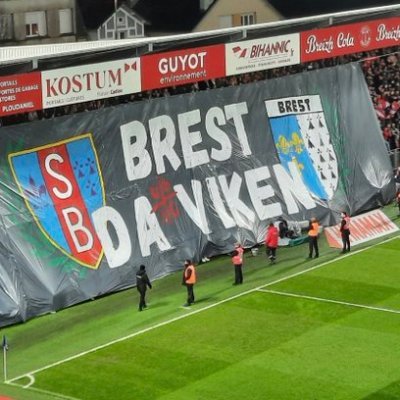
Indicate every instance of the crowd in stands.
{"type": "Point", "coordinates": [381, 69]}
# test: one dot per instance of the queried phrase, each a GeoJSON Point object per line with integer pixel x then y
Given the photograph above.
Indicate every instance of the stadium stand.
{"type": "Point", "coordinates": [381, 69]}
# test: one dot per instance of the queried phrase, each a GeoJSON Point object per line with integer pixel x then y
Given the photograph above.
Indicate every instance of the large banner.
{"type": "Point", "coordinates": [86, 199]}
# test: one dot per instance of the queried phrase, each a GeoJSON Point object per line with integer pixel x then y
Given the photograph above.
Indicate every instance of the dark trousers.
{"type": "Point", "coordinates": [238, 274]}
{"type": "Point", "coordinates": [271, 253]}
{"type": "Point", "coordinates": [190, 293]}
{"type": "Point", "coordinates": [346, 240]}
{"type": "Point", "coordinates": [142, 301]}
{"type": "Point", "coordinates": [313, 245]}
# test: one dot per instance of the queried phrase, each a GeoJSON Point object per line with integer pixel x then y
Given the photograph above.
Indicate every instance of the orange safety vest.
{"type": "Point", "coordinates": [192, 279]}
{"type": "Point", "coordinates": [314, 229]}
{"type": "Point", "coordinates": [237, 260]}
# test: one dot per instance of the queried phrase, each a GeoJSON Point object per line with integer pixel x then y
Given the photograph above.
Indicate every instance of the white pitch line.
{"type": "Point", "coordinates": [285, 278]}
{"type": "Point", "coordinates": [323, 300]}
{"type": "Point", "coordinates": [31, 381]}
{"type": "Point", "coordinates": [47, 392]}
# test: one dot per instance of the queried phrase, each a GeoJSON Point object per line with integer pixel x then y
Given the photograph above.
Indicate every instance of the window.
{"type": "Point", "coordinates": [139, 29]}
{"type": "Point", "coordinates": [65, 21]}
{"type": "Point", "coordinates": [225, 21]}
{"type": "Point", "coordinates": [248, 19]}
{"type": "Point", "coordinates": [6, 26]}
{"type": "Point", "coordinates": [35, 24]}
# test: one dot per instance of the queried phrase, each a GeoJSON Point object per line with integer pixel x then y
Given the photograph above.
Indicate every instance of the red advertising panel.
{"type": "Point", "coordinates": [347, 39]}
{"type": "Point", "coordinates": [183, 66]}
{"type": "Point", "coordinates": [20, 93]}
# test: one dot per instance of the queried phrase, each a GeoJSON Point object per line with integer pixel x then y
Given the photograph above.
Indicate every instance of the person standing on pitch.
{"type": "Point", "coordinates": [239, 248]}
{"type": "Point", "coordinates": [345, 231]}
{"type": "Point", "coordinates": [398, 200]}
{"type": "Point", "coordinates": [189, 280]}
{"type": "Point", "coordinates": [313, 231]}
{"type": "Point", "coordinates": [271, 242]}
{"type": "Point", "coordinates": [142, 281]}
{"type": "Point", "coordinates": [237, 261]}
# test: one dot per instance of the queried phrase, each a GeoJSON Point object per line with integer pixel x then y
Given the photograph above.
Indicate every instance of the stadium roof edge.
{"type": "Point", "coordinates": [10, 55]}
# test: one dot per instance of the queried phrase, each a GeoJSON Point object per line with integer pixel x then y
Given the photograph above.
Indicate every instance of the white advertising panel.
{"type": "Point", "coordinates": [90, 82]}
{"type": "Point", "coordinates": [260, 54]}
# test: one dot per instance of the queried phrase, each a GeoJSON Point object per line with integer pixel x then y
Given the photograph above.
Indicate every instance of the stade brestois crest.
{"type": "Point", "coordinates": [301, 136]}
{"type": "Point", "coordinates": [62, 186]}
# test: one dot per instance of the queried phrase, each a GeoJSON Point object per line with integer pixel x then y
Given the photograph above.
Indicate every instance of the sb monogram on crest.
{"type": "Point", "coordinates": [62, 185]}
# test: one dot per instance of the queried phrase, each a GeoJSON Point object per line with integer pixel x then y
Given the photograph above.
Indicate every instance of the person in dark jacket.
{"type": "Point", "coordinates": [142, 281]}
{"type": "Point", "coordinates": [313, 232]}
{"type": "Point", "coordinates": [345, 231]}
{"type": "Point", "coordinates": [398, 200]}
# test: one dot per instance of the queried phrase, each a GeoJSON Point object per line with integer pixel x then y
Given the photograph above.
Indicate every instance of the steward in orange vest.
{"type": "Point", "coordinates": [345, 231]}
{"type": "Point", "coordinates": [237, 261]}
{"type": "Point", "coordinates": [313, 231]}
{"type": "Point", "coordinates": [189, 279]}
{"type": "Point", "coordinates": [239, 249]}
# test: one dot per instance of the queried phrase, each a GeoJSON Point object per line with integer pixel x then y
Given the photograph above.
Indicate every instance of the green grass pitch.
{"type": "Point", "coordinates": [320, 329]}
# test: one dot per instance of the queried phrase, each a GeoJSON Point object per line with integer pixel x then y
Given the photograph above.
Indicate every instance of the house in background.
{"type": "Point", "coordinates": [170, 17]}
{"type": "Point", "coordinates": [231, 13]}
{"type": "Point", "coordinates": [39, 22]}
{"type": "Point", "coordinates": [156, 17]}
{"type": "Point", "coordinates": [124, 23]}
{"type": "Point", "coordinates": [138, 18]}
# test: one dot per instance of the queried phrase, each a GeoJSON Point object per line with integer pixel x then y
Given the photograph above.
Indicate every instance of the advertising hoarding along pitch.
{"type": "Point", "coordinates": [348, 39]}
{"type": "Point", "coordinates": [90, 82]}
{"type": "Point", "coordinates": [182, 67]}
{"type": "Point", "coordinates": [20, 93]}
{"type": "Point", "coordinates": [363, 228]}
{"type": "Point", "coordinates": [261, 54]}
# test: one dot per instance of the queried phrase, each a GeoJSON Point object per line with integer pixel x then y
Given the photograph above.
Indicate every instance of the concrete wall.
{"type": "Point", "coordinates": [264, 12]}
